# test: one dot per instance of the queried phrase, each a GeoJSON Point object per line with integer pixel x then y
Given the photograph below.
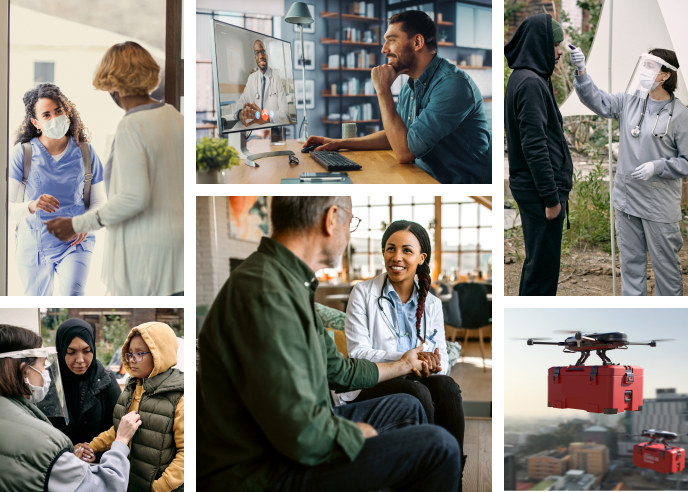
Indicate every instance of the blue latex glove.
{"type": "Point", "coordinates": [577, 58]}
{"type": "Point", "coordinates": [644, 171]}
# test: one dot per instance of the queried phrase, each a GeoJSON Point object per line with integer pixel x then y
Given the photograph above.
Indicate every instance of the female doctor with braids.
{"type": "Point", "coordinates": [391, 314]}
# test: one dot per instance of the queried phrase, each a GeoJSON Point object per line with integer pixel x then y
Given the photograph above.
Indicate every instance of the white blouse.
{"type": "Point", "coordinates": [144, 214]}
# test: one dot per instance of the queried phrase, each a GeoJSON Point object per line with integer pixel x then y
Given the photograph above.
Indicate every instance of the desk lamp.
{"type": "Point", "coordinates": [299, 14]}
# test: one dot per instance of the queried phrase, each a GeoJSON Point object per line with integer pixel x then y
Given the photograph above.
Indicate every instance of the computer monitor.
{"type": "Point", "coordinates": [253, 71]}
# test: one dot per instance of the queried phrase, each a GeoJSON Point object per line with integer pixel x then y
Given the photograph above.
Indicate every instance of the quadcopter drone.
{"type": "Point", "coordinates": [659, 436]}
{"type": "Point", "coordinates": [586, 343]}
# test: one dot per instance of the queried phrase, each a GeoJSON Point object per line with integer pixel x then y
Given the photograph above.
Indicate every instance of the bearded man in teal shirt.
{"type": "Point", "coordinates": [439, 123]}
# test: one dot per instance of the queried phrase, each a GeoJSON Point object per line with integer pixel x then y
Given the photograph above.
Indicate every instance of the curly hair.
{"type": "Point", "coordinates": [129, 69]}
{"type": "Point", "coordinates": [422, 270]}
{"type": "Point", "coordinates": [27, 130]}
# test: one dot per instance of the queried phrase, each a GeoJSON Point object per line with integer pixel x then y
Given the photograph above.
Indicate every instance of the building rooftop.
{"type": "Point", "coordinates": [554, 453]}
{"type": "Point", "coordinates": [596, 428]}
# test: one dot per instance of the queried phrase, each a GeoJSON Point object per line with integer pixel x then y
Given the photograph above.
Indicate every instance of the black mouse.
{"type": "Point", "coordinates": [308, 148]}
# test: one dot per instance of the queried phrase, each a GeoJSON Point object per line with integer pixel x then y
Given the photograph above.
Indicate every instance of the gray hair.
{"type": "Point", "coordinates": [301, 213]}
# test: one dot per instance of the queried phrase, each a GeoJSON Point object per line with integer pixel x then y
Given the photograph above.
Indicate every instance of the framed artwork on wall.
{"type": "Point", "coordinates": [309, 46]}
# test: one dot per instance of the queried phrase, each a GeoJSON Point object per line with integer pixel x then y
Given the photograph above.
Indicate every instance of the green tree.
{"type": "Point", "coordinates": [115, 331]}
{"type": "Point", "coordinates": [53, 318]}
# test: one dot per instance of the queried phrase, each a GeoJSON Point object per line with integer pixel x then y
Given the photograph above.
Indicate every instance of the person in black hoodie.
{"type": "Point", "coordinates": [540, 166]}
{"type": "Point", "coordinates": [91, 390]}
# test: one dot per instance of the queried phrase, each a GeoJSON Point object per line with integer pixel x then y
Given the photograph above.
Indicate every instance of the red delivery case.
{"type": "Point", "coordinates": [656, 457]}
{"type": "Point", "coordinates": [606, 389]}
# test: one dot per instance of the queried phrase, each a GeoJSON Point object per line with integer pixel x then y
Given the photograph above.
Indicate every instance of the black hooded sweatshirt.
{"type": "Point", "coordinates": [539, 158]}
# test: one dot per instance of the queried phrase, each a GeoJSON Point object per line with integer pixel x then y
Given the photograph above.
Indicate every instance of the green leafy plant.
{"type": "Point", "coordinates": [443, 35]}
{"type": "Point", "coordinates": [115, 332]}
{"type": "Point", "coordinates": [215, 154]}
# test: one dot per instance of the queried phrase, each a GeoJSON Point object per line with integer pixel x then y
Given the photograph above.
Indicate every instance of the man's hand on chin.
{"type": "Point", "coordinates": [384, 76]}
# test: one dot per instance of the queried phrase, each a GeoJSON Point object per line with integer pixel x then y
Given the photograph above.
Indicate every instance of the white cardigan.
{"type": "Point", "coordinates": [144, 214]}
{"type": "Point", "coordinates": [369, 337]}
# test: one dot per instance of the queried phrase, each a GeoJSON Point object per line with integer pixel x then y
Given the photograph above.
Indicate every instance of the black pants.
{"type": "Point", "coordinates": [439, 395]}
{"type": "Point", "coordinates": [542, 237]}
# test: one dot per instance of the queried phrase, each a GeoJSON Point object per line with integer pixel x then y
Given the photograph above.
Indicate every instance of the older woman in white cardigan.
{"type": "Point", "coordinates": [144, 178]}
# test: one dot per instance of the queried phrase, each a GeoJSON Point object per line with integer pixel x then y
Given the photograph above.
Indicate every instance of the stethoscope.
{"type": "Point", "coordinates": [636, 131]}
{"type": "Point", "coordinates": [396, 332]}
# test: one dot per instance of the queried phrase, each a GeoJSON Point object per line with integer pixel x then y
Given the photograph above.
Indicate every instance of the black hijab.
{"type": "Point", "coordinates": [71, 328]}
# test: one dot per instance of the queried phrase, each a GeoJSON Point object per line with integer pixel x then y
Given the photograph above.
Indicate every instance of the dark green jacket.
{"type": "Point", "coordinates": [29, 445]}
{"type": "Point", "coordinates": [266, 368]}
{"type": "Point", "coordinates": [152, 447]}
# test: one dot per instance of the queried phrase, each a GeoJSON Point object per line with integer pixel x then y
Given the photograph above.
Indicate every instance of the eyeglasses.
{"type": "Point", "coordinates": [259, 52]}
{"type": "Point", "coordinates": [137, 357]}
{"type": "Point", "coordinates": [293, 159]}
{"type": "Point", "coordinates": [355, 221]}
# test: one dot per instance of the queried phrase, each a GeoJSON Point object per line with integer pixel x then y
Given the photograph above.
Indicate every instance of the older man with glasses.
{"type": "Point", "coordinates": [263, 90]}
{"type": "Point", "coordinates": [265, 414]}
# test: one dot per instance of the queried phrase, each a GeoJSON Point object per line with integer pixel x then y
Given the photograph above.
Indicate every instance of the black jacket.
{"type": "Point", "coordinates": [539, 158]}
{"type": "Point", "coordinates": [99, 401]}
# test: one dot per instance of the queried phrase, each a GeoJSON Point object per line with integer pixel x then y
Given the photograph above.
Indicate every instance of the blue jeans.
{"type": "Point", "coordinates": [404, 456]}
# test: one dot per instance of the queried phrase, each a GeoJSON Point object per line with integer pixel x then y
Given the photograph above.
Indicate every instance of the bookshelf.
{"type": "Point", "coordinates": [342, 20]}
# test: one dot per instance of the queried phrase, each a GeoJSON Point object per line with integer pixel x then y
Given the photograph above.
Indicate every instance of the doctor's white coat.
{"type": "Point", "coordinates": [369, 336]}
{"type": "Point", "coordinates": [275, 97]}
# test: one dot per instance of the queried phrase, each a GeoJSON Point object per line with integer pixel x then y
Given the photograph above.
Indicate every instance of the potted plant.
{"type": "Point", "coordinates": [443, 35]}
{"type": "Point", "coordinates": [212, 156]}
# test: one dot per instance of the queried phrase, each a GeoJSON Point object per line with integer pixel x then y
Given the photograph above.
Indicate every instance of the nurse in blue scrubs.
{"type": "Point", "coordinates": [54, 188]}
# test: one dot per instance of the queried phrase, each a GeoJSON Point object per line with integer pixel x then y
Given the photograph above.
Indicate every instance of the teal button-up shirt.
{"type": "Point", "coordinates": [266, 368]}
{"type": "Point", "coordinates": [447, 128]}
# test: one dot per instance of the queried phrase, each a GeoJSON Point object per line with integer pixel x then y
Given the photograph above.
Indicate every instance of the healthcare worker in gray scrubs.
{"type": "Point", "coordinates": [653, 158]}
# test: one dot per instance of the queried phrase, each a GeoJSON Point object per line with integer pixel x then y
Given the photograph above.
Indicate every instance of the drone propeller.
{"type": "Point", "coordinates": [651, 343]}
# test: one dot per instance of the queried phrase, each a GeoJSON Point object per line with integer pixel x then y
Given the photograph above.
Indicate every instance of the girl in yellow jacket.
{"type": "Point", "coordinates": [156, 392]}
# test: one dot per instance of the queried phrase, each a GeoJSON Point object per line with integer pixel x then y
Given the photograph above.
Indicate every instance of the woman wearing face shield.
{"type": "Point", "coordinates": [144, 177]}
{"type": "Point", "coordinates": [653, 159]}
{"type": "Point", "coordinates": [49, 177]}
{"type": "Point", "coordinates": [91, 390]}
{"type": "Point", "coordinates": [35, 456]}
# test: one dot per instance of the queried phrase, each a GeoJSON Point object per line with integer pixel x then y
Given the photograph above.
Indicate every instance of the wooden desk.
{"type": "Point", "coordinates": [379, 167]}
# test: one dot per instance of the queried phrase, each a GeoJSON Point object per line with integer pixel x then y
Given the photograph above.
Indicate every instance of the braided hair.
{"type": "Point", "coordinates": [422, 270]}
{"type": "Point", "coordinates": [50, 91]}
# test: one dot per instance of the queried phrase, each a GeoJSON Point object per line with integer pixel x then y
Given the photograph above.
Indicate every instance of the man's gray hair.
{"type": "Point", "coordinates": [301, 213]}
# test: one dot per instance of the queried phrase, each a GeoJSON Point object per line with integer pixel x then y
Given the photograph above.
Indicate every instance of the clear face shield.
{"type": "Point", "coordinates": [45, 383]}
{"type": "Point", "coordinates": [646, 71]}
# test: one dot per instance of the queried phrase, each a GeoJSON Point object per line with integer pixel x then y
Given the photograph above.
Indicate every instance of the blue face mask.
{"type": "Point", "coordinates": [112, 95]}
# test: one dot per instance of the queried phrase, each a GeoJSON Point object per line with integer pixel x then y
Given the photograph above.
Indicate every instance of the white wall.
{"type": "Point", "coordinates": [29, 318]}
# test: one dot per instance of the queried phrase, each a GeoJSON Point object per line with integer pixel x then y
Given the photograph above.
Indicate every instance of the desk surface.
{"type": "Point", "coordinates": [379, 167]}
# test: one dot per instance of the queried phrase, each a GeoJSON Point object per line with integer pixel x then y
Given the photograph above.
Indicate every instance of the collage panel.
{"type": "Point", "coordinates": [397, 92]}
{"type": "Point", "coordinates": [92, 399]}
{"type": "Point", "coordinates": [93, 138]}
{"type": "Point", "coordinates": [596, 409]}
{"type": "Point", "coordinates": [324, 363]}
{"type": "Point", "coordinates": [596, 154]}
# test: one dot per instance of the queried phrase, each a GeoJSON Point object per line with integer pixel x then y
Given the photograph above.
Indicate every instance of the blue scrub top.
{"type": "Point", "coordinates": [64, 180]}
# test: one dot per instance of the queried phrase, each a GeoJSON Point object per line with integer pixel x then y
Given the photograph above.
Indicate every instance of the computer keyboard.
{"type": "Point", "coordinates": [334, 161]}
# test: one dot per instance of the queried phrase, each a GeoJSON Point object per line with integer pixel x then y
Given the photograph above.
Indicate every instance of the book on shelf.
{"type": "Point", "coordinates": [357, 8]}
{"type": "Point", "coordinates": [370, 10]}
{"type": "Point", "coordinates": [333, 61]}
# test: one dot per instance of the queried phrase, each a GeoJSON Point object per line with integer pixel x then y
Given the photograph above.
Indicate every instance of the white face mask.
{"type": "Point", "coordinates": [646, 79]}
{"type": "Point", "coordinates": [38, 392]}
{"type": "Point", "coordinates": [57, 127]}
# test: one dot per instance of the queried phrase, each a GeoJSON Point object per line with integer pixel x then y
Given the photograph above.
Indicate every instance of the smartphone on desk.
{"type": "Point", "coordinates": [324, 176]}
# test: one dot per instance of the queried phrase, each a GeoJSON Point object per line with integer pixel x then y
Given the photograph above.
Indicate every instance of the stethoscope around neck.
{"type": "Point", "coordinates": [636, 131]}
{"type": "Point", "coordinates": [396, 332]}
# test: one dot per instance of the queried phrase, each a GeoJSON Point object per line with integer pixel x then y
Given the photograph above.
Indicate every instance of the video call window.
{"type": "Point", "coordinates": [253, 76]}
{"type": "Point", "coordinates": [206, 115]}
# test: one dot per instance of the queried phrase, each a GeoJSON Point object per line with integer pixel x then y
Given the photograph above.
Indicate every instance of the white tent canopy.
{"type": "Point", "coordinates": [638, 27]}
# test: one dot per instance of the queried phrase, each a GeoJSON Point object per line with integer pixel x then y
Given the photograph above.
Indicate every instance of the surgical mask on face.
{"type": "Point", "coordinates": [38, 392]}
{"type": "Point", "coordinates": [646, 79]}
{"type": "Point", "coordinates": [57, 127]}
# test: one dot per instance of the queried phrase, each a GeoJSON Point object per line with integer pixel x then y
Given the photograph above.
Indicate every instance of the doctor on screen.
{"type": "Point", "coordinates": [263, 91]}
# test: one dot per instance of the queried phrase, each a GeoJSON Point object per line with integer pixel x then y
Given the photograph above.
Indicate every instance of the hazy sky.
{"type": "Point", "coordinates": [525, 375]}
